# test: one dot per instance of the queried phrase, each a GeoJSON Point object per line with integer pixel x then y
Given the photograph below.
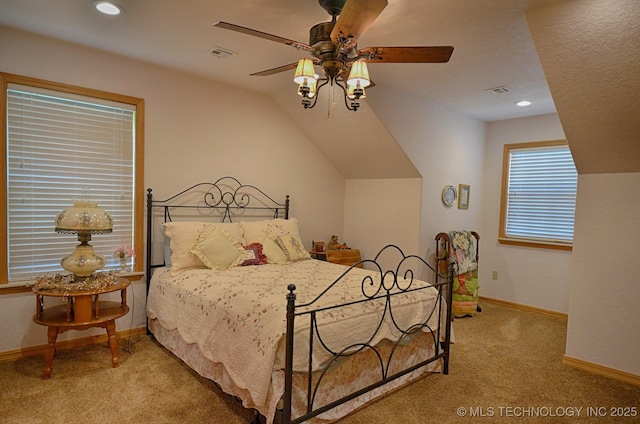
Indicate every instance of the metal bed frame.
{"type": "Point", "coordinates": [227, 199]}
{"type": "Point", "coordinates": [224, 199]}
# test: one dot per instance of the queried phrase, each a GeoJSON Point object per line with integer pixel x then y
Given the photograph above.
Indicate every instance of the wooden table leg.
{"type": "Point", "coordinates": [52, 335]}
{"type": "Point", "coordinates": [113, 343]}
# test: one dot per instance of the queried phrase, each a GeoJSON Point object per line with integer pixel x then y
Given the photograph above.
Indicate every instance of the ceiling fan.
{"type": "Point", "coordinates": [334, 47]}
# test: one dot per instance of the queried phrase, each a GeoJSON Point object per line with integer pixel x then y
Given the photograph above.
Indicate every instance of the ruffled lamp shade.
{"type": "Point", "coordinates": [84, 219]}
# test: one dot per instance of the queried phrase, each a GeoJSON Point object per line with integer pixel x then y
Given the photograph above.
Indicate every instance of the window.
{"type": "Point", "coordinates": [63, 143]}
{"type": "Point", "coordinates": [539, 183]}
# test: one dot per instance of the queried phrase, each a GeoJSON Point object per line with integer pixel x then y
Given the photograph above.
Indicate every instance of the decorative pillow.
{"type": "Point", "coordinates": [266, 232]}
{"type": "Point", "coordinates": [254, 231]}
{"type": "Point", "coordinates": [254, 255]}
{"type": "Point", "coordinates": [293, 247]}
{"type": "Point", "coordinates": [184, 235]}
{"type": "Point", "coordinates": [218, 250]}
{"type": "Point", "coordinates": [273, 251]}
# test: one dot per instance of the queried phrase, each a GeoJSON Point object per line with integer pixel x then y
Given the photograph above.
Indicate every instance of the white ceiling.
{"type": "Point", "coordinates": [492, 44]}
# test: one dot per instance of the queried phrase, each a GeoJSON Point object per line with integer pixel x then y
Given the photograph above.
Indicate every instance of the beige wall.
{"type": "Point", "coordinates": [589, 52]}
{"type": "Point", "coordinates": [446, 147]}
{"type": "Point", "coordinates": [194, 130]}
{"type": "Point", "coordinates": [527, 276]}
{"type": "Point", "coordinates": [604, 298]}
{"type": "Point", "coordinates": [382, 212]}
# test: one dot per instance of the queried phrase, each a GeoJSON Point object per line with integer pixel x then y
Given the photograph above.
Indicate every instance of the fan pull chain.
{"type": "Point", "coordinates": [332, 100]}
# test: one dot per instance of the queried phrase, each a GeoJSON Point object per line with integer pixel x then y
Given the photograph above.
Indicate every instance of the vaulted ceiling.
{"type": "Point", "coordinates": [491, 40]}
{"type": "Point", "coordinates": [494, 63]}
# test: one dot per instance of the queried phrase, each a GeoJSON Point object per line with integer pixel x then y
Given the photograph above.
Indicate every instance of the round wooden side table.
{"type": "Point", "coordinates": [82, 310]}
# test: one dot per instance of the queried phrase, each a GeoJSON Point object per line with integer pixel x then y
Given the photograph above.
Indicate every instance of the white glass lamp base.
{"type": "Point", "coordinates": [83, 261]}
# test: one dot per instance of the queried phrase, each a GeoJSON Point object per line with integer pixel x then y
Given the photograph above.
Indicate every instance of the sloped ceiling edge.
{"type": "Point", "coordinates": [589, 52]}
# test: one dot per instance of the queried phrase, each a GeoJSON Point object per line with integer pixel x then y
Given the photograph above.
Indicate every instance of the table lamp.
{"type": "Point", "coordinates": [84, 219]}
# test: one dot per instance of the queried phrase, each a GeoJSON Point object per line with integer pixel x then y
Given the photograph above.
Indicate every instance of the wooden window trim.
{"type": "Point", "coordinates": [502, 236]}
{"type": "Point", "coordinates": [139, 193]}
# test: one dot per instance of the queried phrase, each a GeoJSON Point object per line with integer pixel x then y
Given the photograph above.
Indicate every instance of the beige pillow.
{"type": "Point", "coordinates": [218, 250]}
{"type": "Point", "coordinates": [266, 232]}
{"type": "Point", "coordinates": [272, 250]}
{"type": "Point", "coordinates": [293, 247]}
{"type": "Point", "coordinates": [254, 231]}
{"type": "Point", "coordinates": [184, 235]}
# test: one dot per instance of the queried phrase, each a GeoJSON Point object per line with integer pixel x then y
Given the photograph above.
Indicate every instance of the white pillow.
{"type": "Point", "coordinates": [293, 247]}
{"type": "Point", "coordinates": [218, 250]}
{"type": "Point", "coordinates": [254, 231]}
{"type": "Point", "coordinates": [184, 235]}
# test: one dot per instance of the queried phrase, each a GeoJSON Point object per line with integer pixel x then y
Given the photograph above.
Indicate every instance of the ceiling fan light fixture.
{"type": "Point", "coordinates": [359, 75]}
{"type": "Point", "coordinates": [108, 7]}
{"type": "Point", "coordinates": [334, 47]}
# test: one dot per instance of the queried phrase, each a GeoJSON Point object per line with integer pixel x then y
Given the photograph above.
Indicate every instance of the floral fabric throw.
{"type": "Point", "coordinates": [463, 250]}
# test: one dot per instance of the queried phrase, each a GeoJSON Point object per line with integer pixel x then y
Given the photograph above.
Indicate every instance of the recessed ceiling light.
{"type": "Point", "coordinates": [523, 103]}
{"type": "Point", "coordinates": [108, 7]}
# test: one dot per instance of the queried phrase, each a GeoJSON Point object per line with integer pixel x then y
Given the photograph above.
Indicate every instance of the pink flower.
{"type": "Point", "coordinates": [124, 252]}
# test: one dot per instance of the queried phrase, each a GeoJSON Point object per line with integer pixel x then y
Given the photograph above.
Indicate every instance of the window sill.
{"type": "Point", "coordinates": [539, 244]}
{"type": "Point", "coordinates": [131, 275]}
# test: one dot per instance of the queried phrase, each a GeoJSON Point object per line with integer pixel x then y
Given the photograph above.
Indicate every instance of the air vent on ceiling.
{"type": "Point", "coordinates": [498, 90]}
{"type": "Point", "coordinates": [221, 53]}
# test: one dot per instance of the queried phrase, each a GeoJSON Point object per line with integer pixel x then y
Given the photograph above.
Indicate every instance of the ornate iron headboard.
{"type": "Point", "coordinates": [224, 200]}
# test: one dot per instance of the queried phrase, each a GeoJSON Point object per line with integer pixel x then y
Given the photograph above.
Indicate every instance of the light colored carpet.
{"type": "Point", "coordinates": [505, 367]}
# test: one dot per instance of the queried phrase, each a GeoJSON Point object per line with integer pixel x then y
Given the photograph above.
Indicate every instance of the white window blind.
{"type": "Point", "coordinates": [541, 194]}
{"type": "Point", "coordinates": [61, 148]}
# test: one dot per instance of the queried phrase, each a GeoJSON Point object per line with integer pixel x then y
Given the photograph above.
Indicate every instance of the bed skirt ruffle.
{"type": "Point", "coordinates": [346, 376]}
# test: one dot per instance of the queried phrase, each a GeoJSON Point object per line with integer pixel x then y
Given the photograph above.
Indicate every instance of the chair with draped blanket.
{"type": "Point", "coordinates": [460, 249]}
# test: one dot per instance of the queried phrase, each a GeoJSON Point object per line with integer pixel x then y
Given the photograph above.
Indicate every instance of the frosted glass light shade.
{"type": "Point", "coordinates": [359, 75]}
{"type": "Point", "coordinates": [304, 72]}
{"type": "Point", "coordinates": [84, 216]}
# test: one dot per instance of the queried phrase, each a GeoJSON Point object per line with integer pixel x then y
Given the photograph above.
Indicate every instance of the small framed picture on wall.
{"type": "Point", "coordinates": [463, 196]}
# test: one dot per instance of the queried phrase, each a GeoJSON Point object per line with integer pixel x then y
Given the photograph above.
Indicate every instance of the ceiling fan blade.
{"type": "Point", "coordinates": [355, 19]}
{"type": "Point", "coordinates": [248, 31]}
{"type": "Point", "coordinates": [276, 70]}
{"type": "Point", "coordinates": [433, 54]}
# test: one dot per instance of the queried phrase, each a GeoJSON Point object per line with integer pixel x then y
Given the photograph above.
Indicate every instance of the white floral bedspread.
{"type": "Point", "coordinates": [237, 317]}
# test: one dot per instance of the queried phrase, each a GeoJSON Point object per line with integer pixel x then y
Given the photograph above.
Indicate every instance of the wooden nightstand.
{"type": "Point", "coordinates": [347, 257]}
{"type": "Point", "coordinates": [82, 310]}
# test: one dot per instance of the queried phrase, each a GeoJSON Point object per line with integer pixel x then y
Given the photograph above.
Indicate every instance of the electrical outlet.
{"type": "Point", "coordinates": [494, 275]}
